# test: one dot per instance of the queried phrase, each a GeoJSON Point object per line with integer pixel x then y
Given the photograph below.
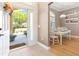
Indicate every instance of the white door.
{"type": "Point", "coordinates": [1, 37]}
{"type": "Point", "coordinates": [4, 43]}
{"type": "Point", "coordinates": [29, 28]}
{"type": "Point", "coordinates": [6, 30]}
{"type": "Point", "coordinates": [4, 38]}
{"type": "Point", "coordinates": [30, 31]}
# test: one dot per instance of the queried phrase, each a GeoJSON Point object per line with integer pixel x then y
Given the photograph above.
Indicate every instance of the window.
{"type": "Point", "coordinates": [52, 21]}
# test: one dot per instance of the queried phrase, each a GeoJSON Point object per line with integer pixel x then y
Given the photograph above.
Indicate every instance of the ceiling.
{"type": "Point", "coordinates": [62, 6]}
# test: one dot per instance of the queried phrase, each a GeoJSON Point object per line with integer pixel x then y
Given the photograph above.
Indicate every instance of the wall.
{"type": "Point", "coordinates": [43, 22]}
{"type": "Point", "coordinates": [74, 27]}
{"type": "Point", "coordinates": [57, 18]}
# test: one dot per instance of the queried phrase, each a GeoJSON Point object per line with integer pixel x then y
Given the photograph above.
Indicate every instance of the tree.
{"type": "Point", "coordinates": [19, 18]}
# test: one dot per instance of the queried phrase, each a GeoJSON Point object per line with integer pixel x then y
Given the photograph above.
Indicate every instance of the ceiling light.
{"type": "Point", "coordinates": [62, 16]}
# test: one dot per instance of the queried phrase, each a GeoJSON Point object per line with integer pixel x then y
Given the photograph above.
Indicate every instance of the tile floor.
{"type": "Point", "coordinates": [35, 50]}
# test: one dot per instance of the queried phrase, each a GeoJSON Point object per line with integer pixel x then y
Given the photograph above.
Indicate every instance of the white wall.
{"type": "Point", "coordinates": [43, 22]}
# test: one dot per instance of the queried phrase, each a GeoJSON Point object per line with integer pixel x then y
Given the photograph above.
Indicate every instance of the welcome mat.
{"type": "Point", "coordinates": [17, 45]}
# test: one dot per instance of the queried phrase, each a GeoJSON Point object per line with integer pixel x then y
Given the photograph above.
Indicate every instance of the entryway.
{"type": "Point", "coordinates": [7, 11]}
{"type": "Point", "coordinates": [18, 27]}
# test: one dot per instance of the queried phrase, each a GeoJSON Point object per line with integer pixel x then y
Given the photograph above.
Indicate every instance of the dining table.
{"type": "Point", "coordinates": [61, 33]}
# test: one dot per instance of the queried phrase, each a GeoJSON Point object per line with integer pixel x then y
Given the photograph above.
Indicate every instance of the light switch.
{"type": "Point", "coordinates": [38, 26]}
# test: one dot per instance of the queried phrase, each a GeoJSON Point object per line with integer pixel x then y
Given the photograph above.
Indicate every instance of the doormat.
{"type": "Point", "coordinates": [17, 45]}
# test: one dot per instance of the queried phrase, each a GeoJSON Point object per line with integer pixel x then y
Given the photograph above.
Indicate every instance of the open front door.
{"type": "Point", "coordinates": [30, 31]}
{"type": "Point", "coordinates": [6, 33]}
{"type": "Point", "coordinates": [1, 37]}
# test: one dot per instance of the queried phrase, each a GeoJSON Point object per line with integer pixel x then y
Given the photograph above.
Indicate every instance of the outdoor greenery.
{"type": "Point", "coordinates": [19, 18]}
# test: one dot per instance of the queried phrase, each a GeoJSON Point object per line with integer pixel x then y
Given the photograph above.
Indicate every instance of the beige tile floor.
{"type": "Point", "coordinates": [35, 50]}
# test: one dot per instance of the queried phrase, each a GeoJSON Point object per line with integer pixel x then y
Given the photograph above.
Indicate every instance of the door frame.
{"type": "Point", "coordinates": [29, 10]}
{"type": "Point", "coordinates": [29, 42]}
{"type": "Point", "coordinates": [49, 23]}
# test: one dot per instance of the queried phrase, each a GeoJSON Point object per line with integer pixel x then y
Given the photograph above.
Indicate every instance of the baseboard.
{"type": "Point", "coordinates": [74, 36]}
{"type": "Point", "coordinates": [44, 46]}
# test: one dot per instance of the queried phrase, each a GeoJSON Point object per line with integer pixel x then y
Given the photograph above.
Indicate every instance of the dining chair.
{"type": "Point", "coordinates": [54, 38]}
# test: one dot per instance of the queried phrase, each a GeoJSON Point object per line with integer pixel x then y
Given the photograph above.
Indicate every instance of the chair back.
{"type": "Point", "coordinates": [61, 29]}
{"type": "Point", "coordinates": [52, 33]}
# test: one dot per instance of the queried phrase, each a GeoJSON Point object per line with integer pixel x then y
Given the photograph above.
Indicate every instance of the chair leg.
{"type": "Point", "coordinates": [58, 40]}
{"type": "Point", "coordinates": [53, 41]}
{"type": "Point", "coordinates": [69, 36]}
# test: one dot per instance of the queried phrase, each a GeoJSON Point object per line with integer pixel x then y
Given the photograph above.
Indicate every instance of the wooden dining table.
{"type": "Point", "coordinates": [61, 33]}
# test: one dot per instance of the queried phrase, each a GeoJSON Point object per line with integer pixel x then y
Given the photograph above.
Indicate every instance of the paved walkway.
{"type": "Point", "coordinates": [21, 38]}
